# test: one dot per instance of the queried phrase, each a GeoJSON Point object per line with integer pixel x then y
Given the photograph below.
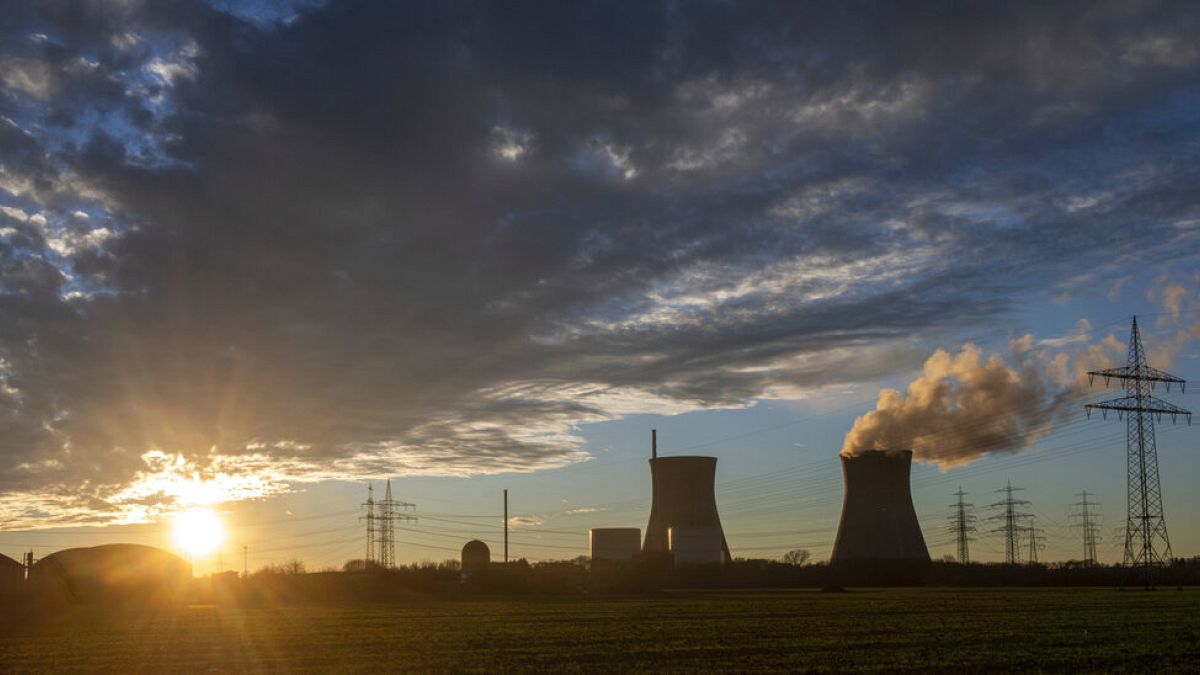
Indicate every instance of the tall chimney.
{"type": "Point", "coordinates": [653, 443]}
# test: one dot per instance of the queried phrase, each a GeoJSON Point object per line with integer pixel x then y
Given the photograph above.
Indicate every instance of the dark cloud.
{"type": "Point", "coordinates": [371, 238]}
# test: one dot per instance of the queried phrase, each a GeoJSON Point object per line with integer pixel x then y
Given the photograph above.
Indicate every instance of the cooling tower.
{"type": "Point", "coordinates": [615, 543]}
{"type": "Point", "coordinates": [879, 533]}
{"type": "Point", "coordinates": [684, 497]}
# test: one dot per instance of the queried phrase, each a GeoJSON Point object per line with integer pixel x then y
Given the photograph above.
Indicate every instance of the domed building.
{"type": "Point", "coordinates": [12, 575]}
{"type": "Point", "coordinates": [114, 573]}
{"type": "Point", "coordinates": [475, 557]}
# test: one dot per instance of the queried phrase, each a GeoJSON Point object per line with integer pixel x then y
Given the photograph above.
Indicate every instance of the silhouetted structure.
{"type": "Point", "coordinates": [111, 573]}
{"type": "Point", "coordinates": [1085, 515]}
{"type": "Point", "coordinates": [878, 521]}
{"type": "Point", "coordinates": [476, 556]}
{"type": "Point", "coordinates": [370, 518]}
{"type": "Point", "coordinates": [1036, 540]}
{"type": "Point", "coordinates": [962, 524]}
{"type": "Point", "coordinates": [387, 512]}
{"type": "Point", "coordinates": [614, 543]}
{"type": "Point", "coordinates": [1146, 542]}
{"type": "Point", "coordinates": [1011, 519]}
{"type": "Point", "coordinates": [684, 497]}
{"type": "Point", "coordinates": [12, 575]}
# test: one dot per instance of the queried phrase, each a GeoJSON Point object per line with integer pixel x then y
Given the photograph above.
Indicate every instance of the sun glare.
{"type": "Point", "coordinates": [199, 531]}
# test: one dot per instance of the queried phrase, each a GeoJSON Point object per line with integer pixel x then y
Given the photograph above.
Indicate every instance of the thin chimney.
{"type": "Point", "coordinates": [654, 444]}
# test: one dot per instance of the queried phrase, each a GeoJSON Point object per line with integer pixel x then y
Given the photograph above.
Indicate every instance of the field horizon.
{"type": "Point", "coordinates": [926, 629]}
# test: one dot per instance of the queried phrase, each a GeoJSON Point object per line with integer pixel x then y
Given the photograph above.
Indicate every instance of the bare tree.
{"type": "Point", "coordinates": [797, 556]}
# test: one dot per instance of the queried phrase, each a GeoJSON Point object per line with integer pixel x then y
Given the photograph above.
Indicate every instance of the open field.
{"type": "Point", "coordinates": [918, 629]}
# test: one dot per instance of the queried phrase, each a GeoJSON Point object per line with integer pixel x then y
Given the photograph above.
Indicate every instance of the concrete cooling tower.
{"type": "Point", "coordinates": [684, 500]}
{"type": "Point", "coordinates": [879, 538]}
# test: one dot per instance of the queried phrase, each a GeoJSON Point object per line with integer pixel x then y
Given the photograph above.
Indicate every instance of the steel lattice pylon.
{"type": "Point", "coordinates": [962, 523]}
{"type": "Point", "coordinates": [1146, 542]}
{"type": "Point", "coordinates": [1011, 519]}
{"type": "Point", "coordinates": [1086, 517]}
{"type": "Point", "coordinates": [389, 511]}
{"type": "Point", "coordinates": [370, 518]}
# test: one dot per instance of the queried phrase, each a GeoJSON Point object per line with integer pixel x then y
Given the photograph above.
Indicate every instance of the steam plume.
{"type": "Point", "coordinates": [963, 407]}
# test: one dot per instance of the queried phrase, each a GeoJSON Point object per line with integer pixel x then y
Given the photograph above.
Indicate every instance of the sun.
{"type": "Point", "coordinates": [199, 531]}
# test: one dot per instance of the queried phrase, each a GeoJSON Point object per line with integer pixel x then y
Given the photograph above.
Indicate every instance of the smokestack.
{"type": "Point", "coordinates": [684, 499]}
{"type": "Point", "coordinates": [879, 524]}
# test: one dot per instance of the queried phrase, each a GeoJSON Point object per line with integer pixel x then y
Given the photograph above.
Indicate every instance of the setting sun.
{"type": "Point", "coordinates": [199, 532]}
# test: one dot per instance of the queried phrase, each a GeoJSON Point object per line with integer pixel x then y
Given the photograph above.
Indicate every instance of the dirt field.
{"type": "Point", "coordinates": [919, 630]}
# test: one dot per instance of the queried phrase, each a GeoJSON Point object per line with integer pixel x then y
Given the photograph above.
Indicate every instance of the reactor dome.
{"type": "Point", "coordinates": [475, 556]}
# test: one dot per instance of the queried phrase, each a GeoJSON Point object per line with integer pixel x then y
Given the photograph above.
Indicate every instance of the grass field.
{"type": "Point", "coordinates": [888, 630]}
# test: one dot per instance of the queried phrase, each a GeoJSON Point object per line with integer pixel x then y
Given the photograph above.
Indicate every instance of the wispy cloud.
{"type": "Point", "coordinates": [356, 240]}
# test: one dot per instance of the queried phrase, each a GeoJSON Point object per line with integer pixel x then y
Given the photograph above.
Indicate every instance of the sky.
{"type": "Point", "coordinates": [256, 256]}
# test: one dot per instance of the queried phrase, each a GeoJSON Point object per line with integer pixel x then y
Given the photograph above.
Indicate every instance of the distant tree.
{"type": "Point", "coordinates": [360, 565]}
{"type": "Point", "coordinates": [797, 556]}
{"type": "Point", "coordinates": [293, 566]}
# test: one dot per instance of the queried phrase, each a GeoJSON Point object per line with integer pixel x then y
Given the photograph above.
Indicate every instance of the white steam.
{"type": "Point", "coordinates": [963, 406]}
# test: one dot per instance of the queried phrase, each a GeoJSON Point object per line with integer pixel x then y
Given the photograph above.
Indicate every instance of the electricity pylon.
{"type": "Point", "coordinates": [1087, 518]}
{"type": "Point", "coordinates": [390, 511]}
{"type": "Point", "coordinates": [370, 518]}
{"type": "Point", "coordinates": [1011, 520]}
{"type": "Point", "coordinates": [1146, 541]}
{"type": "Point", "coordinates": [962, 523]}
{"type": "Point", "coordinates": [1036, 540]}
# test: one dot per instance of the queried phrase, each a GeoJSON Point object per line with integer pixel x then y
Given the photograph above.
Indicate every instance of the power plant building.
{"type": "Point", "coordinates": [112, 572]}
{"type": "Point", "coordinates": [684, 500]}
{"type": "Point", "coordinates": [697, 545]}
{"type": "Point", "coordinates": [879, 531]}
{"type": "Point", "coordinates": [476, 556]}
{"type": "Point", "coordinates": [615, 543]}
{"type": "Point", "coordinates": [12, 575]}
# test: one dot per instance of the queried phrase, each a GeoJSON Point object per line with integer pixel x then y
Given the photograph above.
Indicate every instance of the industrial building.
{"type": "Point", "coordinates": [12, 575]}
{"type": "Point", "coordinates": [614, 543]}
{"type": "Point", "coordinates": [476, 556]}
{"type": "Point", "coordinates": [125, 572]}
{"type": "Point", "coordinates": [684, 500]}
{"type": "Point", "coordinates": [879, 535]}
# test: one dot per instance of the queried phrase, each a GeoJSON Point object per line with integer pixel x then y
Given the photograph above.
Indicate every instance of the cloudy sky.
{"type": "Point", "coordinates": [256, 254]}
